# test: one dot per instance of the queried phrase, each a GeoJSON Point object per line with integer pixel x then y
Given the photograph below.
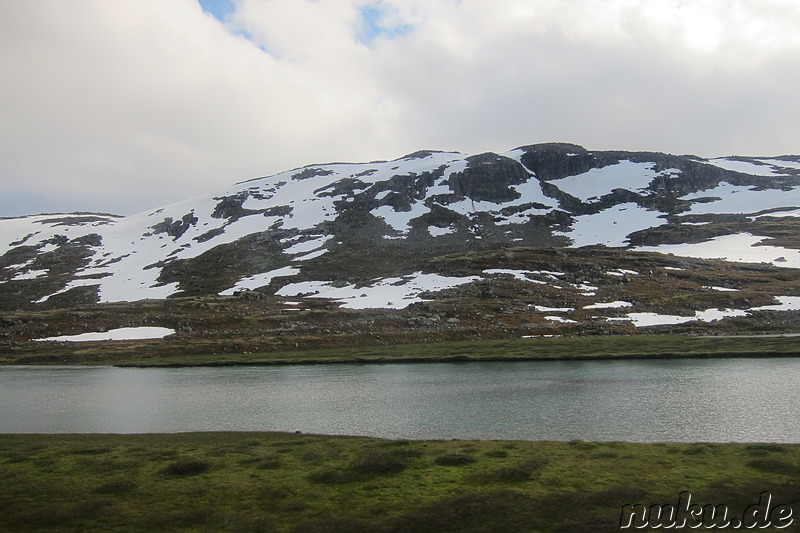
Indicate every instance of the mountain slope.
{"type": "Point", "coordinates": [378, 235]}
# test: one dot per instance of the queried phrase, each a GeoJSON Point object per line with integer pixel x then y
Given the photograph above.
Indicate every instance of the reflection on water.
{"type": "Point", "coordinates": [680, 400]}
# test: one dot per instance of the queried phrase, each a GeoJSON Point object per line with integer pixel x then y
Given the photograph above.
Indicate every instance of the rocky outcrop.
{"type": "Point", "coordinates": [488, 177]}
{"type": "Point", "coordinates": [553, 161]}
{"type": "Point", "coordinates": [175, 228]}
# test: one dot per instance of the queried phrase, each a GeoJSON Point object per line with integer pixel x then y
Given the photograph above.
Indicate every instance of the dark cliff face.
{"type": "Point", "coordinates": [677, 176]}
{"type": "Point", "coordinates": [488, 178]}
{"type": "Point", "coordinates": [553, 161]}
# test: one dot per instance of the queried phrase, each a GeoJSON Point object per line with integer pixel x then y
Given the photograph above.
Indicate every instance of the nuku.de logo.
{"type": "Point", "coordinates": [692, 515]}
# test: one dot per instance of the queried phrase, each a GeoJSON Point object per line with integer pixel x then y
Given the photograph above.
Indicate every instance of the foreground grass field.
{"type": "Point", "coordinates": [243, 482]}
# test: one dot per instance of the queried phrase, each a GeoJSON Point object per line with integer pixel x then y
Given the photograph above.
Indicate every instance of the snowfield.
{"type": "Point", "coordinates": [758, 167]}
{"type": "Point", "coordinates": [260, 280]}
{"type": "Point", "coordinates": [740, 247]}
{"type": "Point", "coordinates": [737, 199]}
{"type": "Point", "coordinates": [601, 181]}
{"type": "Point", "coordinates": [612, 226]}
{"type": "Point", "coordinates": [640, 320]}
{"type": "Point", "coordinates": [390, 293]}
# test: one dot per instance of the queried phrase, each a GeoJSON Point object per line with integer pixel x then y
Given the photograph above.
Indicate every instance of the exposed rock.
{"type": "Point", "coordinates": [553, 161]}
{"type": "Point", "coordinates": [175, 228]}
{"type": "Point", "coordinates": [488, 177]}
{"type": "Point", "coordinates": [231, 206]}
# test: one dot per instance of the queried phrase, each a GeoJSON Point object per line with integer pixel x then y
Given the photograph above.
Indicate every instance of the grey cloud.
{"type": "Point", "coordinates": [124, 106]}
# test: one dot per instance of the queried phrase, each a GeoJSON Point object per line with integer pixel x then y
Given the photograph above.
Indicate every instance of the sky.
{"type": "Point", "coordinates": [124, 106]}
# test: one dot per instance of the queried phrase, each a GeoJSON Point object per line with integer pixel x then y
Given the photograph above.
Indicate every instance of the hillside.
{"type": "Point", "coordinates": [548, 239]}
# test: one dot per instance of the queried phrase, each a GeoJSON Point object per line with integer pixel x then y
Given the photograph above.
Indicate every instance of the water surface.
{"type": "Point", "coordinates": [717, 400]}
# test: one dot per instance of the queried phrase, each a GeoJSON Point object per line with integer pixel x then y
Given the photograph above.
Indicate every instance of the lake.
{"type": "Point", "coordinates": [688, 400]}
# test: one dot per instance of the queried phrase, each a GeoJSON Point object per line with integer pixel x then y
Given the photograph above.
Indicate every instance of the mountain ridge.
{"type": "Point", "coordinates": [377, 236]}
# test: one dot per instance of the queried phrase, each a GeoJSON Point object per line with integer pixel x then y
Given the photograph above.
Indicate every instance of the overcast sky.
{"type": "Point", "coordinates": [122, 106]}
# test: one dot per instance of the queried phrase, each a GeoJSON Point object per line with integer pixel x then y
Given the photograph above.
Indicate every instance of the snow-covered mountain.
{"type": "Point", "coordinates": [366, 235]}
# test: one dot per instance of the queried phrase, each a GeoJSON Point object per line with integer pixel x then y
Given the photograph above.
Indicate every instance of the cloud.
{"type": "Point", "coordinates": [124, 106]}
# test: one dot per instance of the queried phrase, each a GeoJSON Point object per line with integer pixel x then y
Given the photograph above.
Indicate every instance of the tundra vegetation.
{"type": "Point", "coordinates": [308, 483]}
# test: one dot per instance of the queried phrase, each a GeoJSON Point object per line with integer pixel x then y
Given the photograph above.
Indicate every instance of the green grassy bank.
{"type": "Point", "coordinates": [301, 483]}
{"type": "Point", "coordinates": [124, 353]}
{"type": "Point", "coordinates": [533, 349]}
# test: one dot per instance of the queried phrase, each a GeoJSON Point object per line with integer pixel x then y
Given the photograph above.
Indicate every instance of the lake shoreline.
{"type": "Point", "coordinates": [586, 348]}
{"type": "Point", "coordinates": [457, 359]}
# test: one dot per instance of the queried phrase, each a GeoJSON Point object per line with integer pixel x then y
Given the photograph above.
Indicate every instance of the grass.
{"type": "Point", "coordinates": [535, 349]}
{"type": "Point", "coordinates": [530, 349]}
{"type": "Point", "coordinates": [307, 483]}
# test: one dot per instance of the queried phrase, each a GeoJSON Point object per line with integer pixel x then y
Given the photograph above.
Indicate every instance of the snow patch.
{"type": "Point", "coordinates": [309, 245]}
{"type": "Point", "coordinates": [543, 309]}
{"type": "Point", "coordinates": [436, 231]}
{"type": "Point", "coordinates": [550, 273]}
{"type": "Point", "coordinates": [738, 199]}
{"type": "Point", "coordinates": [312, 255]}
{"type": "Point", "coordinates": [787, 303]}
{"type": "Point", "coordinates": [782, 163]}
{"type": "Point", "coordinates": [119, 334]}
{"type": "Point", "coordinates": [387, 293]}
{"type": "Point", "coordinates": [17, 231]}
{"type": "Point", "coordinates": [30, 274]}
{"type": "Point", "coordinates": [609, 305]}
{"type": "Point", "coordinates": [598, 182]}
{"type": "Point", "coordinates": [260, 280]}
{"type": "Point", "coordinates": [560, 319]}
{"type": "Point", "coordinates": [779, 214]}
{"type": "Point", "coordinates": [612, 226]}
{"type": "Point", "coordinates": [738, 247]}
{"type": "Point", "coordinates": [399, 220]}
{"type": "Point", "coordinates": [521, 275]}
{"type": "Point", "coordinates": [621, 272]}
{"type": "Point", "coordinates": [745, 167]}
{"type": "Point", "coordinates": [641, 320]}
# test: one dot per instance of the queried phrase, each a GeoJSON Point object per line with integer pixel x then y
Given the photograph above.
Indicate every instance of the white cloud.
{"type": "Point", "coordinates": [123, 106]}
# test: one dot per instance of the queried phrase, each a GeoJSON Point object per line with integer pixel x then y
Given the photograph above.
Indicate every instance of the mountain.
{"type": "Point", "coordinates": [562, 237]}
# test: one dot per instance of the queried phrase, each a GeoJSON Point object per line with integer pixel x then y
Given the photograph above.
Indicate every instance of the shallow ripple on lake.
{"type": "Point", "coordinates": [635, 400]}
